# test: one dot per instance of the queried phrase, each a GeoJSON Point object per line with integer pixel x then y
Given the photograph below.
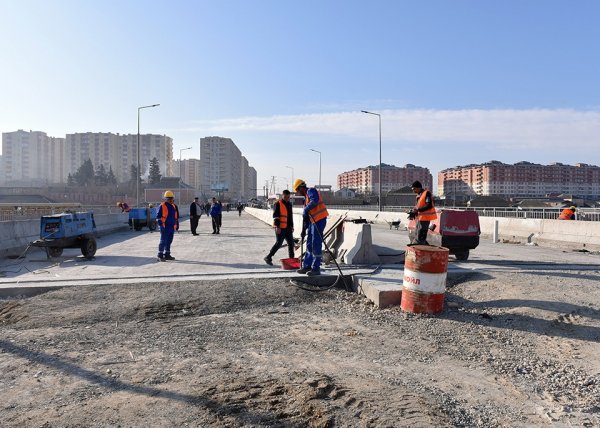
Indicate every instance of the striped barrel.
{"type": "Point", "coordinates": [424, 282]}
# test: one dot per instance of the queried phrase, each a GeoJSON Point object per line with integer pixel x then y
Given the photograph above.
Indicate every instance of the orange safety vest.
{"type": "Point", "coordinates": [164, 212]}
{"type": "Point", "coordinates": [565, 214]}
{"type": "Point", "coordinates": [319, 212]}
{"type": "Point", "coordinates": [430, 213]}
{"type": "Point", "coordinates": [283, 215]}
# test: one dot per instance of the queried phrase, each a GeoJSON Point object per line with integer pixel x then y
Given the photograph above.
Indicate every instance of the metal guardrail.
{"type": "Point", "coordinates": [35, 211]}
{"type": "Point", "coordinates": [583, 214]}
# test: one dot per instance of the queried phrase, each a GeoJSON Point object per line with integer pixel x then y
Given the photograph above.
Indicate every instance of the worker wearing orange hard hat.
{"type": "Point", "coordinates": [314, 218]}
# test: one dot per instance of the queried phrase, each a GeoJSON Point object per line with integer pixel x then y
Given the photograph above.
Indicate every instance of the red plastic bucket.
{"type": "Point", "coordinates": [290, 264]}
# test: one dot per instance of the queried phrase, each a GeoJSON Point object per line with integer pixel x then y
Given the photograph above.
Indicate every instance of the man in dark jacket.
{"type": "Point", "coordinates": [195, 214]}
{"type": "Point", "coordinates": [215, 215]}
{"type": "Point", "coordinates": [283, 222]}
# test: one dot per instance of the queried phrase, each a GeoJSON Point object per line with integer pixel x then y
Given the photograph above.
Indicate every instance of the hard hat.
{"type": "Point", "coordinates": [168, 194]}
{"type": "Point", "coordinates": [119, 204]}
{"type": "Point", "coordinates": [573, 208]}
{"type": "Point", "coordinates": [298, 183]}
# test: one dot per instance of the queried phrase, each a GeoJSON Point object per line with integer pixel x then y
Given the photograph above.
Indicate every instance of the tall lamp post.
{"type": "Point", "coordinates": [292, 174]}
{"type": "Point", "coordinates": [181, 150]}
{"type": "Point", "coordinates": [379, 116]}
{"type": "Point", "coordinates": [316, 151]}
{"type": "Point", "coordinates": [138, 155]}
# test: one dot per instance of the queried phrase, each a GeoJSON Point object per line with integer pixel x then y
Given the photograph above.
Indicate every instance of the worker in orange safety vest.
{"type": "Point", "coordinates": [314, 217]}
{"type": "Point", "coordinates": [167, 217]}
{"type": "Point", "coordinates": [283, 222]}
{"type": "Point", "coordinates": [424, 212]}
{"type": "Point", "coordinates": [568, 214]}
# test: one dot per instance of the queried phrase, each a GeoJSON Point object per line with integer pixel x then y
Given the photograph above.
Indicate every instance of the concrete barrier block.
{"type": "Point", "coordinates": [356, 247]}
{"type": "Point", "coordinates": [382, 291]}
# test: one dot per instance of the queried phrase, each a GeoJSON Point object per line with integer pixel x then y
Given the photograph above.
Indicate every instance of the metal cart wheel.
{"type": "Point", "coordinates": [54, 251]}
{"type": "Point", "coordinates": [88, 247]}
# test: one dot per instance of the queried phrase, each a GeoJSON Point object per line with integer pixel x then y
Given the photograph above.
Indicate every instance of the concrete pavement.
{"type": "Point", "coordinates": [130, 257]}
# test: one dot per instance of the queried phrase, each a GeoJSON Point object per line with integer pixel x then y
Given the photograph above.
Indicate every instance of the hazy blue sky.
{"type": "Point", "coordinates": [456, 82]}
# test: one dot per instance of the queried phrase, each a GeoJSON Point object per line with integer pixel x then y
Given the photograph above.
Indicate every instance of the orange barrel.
{"type": "Point", "coordinates": [424, 282]}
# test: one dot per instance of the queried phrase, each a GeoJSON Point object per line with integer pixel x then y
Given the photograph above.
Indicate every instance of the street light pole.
{"type": "Point", "coordinates": [319, 165]}
{"type": "Point", "coordinates": [379, 116]}
{"type": "Point", "coordinates": [181, 150]}
{"type": "Point", "coordinates": [138, 172]}
{"type": "Point", "coordinates": [292, 174]}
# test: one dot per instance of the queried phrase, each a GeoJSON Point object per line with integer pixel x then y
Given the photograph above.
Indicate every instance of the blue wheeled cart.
{"type": "Point", "coordinates": [143, 217]}
{"type": "Point", "coordinates": [67, 230]}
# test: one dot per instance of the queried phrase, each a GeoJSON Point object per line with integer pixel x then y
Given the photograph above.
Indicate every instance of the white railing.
{"type": "Point", "coordinates": [583, 214]}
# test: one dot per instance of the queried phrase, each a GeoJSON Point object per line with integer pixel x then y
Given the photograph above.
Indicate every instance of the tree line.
{"type": "Point", "coordinates": [86, 175]}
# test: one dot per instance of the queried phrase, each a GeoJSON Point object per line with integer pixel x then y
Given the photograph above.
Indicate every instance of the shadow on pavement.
{"type": "Point", "coordinates": [238, 410]}
{"type": "Point", "coordinates": [476, 313]}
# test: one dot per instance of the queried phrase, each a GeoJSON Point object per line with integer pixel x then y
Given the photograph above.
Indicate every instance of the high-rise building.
{"type": "Point", "coordinates": [119, 152]}
{"type": "Point", "coordinates": [32, 158]}
{"type": "Point", "coordinates": [223, 168]}
{"type": "Point", "coordinates": [190, 171]}
{"type": "Point", "coordinates": [366, 180]}
{"type": "Point", "coordinates": [523, 179]}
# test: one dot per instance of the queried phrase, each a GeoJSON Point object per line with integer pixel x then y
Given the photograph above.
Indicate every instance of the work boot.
{"type": "Point", "coordinates": [303, 270]}
{"type": "Point", "coordinates": [169, 257]}
{"type": "Point", "coordinates": [161, 258]}
{"type": "Point", "coordinates": [268, 260]}
{"type": "Point", "coordinates": [313, 272]}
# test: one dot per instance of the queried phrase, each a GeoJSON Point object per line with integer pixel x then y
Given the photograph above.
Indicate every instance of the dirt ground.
{"type": "Point", "coordinates": [514, 348]}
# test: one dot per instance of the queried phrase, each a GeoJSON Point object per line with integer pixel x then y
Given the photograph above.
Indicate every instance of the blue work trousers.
{"type": "Point", "coordinates": [314, 245]}
{"type": "Point", "coordinates": [166, 238]}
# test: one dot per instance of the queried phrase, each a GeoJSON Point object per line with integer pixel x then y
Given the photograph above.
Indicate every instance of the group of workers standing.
{"type": "Point", "coordinates": [314, 220]}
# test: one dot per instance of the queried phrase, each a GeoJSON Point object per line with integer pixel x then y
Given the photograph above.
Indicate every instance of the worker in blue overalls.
{"type": "Point", "coordinates": [168, 221]}
{"type": "Point", "coordinates": [314, 218]}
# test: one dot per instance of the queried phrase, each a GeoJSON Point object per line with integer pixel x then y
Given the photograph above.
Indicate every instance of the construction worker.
{"type": "Point", "coordinates": [195, 214]}
{"type": "Point", "coordinates": [124, 207]}
{"type": "Point", "coordinates": [568, 213]}
{"type": "Point", "coordinates": [167, 216]}
{"type": "Point", "coordinates": [283, 222]}
{"type": "Point", "coordinates": [314, 216]}
{"type": "Point", "coordinates": [424, 212]}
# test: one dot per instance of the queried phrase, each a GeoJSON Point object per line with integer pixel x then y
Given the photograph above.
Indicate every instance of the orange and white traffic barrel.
{"type": "Point", "coordinates": [424, 282]}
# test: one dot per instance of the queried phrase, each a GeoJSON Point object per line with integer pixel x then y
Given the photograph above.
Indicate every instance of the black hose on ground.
{"type": "Point", "coordinates": [300, 284]}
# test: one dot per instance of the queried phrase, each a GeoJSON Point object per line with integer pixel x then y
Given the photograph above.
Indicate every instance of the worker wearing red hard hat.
{"type": "Point", "coordinates": [314, 218]}
{"type": "Point", "coordinates": [167, 217]}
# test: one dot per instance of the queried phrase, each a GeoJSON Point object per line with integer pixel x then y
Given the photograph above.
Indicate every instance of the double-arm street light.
{"type": "Point", "coordinates": [138, 156]}
{"type": "Point", "coordinates": [292, 174]}
{"type": "Point", "coordinates": [180, 180]}
{"type": "Point", "coordinates": [379, 116]}
{"type": "Point", "coordinates": [316, 151]}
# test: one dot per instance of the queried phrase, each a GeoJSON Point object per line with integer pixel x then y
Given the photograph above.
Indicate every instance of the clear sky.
{"type": "Point", "coordinates": [455, 82]}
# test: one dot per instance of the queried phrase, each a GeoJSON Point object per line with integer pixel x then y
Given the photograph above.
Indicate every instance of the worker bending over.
{"type": "Point", "coordinates": [124, 207]}
{"type": "Point", "coordinates": [568, 214]}
{"type": "Point", "coordinates": [314, 218]}
{"type": "Point", "coordinates": [423, 212]}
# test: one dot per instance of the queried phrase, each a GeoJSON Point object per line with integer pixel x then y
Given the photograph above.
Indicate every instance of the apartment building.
{"type": "Point", "coordinates": [522, 179]}
{"type": "Point", "coordinates": [366, 180]}
{"type": "Point", "coordinates": [190, 171]}
{"type": "Point", "coordinates": [224, 169]}
{"type": "Point", "coordinates": [32, 158]}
